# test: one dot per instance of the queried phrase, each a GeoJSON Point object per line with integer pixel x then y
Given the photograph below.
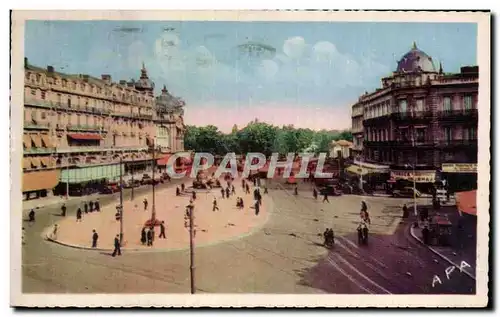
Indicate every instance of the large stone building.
{"type": "Point", "coordinates": [78, 127]}
{"type": "Point", "coordinates": [421, 117]}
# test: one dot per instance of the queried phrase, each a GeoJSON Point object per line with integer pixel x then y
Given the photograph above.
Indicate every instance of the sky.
{"type": "Point", "coordinates": [308, 74]}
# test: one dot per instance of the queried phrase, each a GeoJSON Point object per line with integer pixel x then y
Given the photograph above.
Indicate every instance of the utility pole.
{"type": "Point", "coordinates": [191, 246]}
{"type": "Point", "coordinates": [153, 207]}
{"type": "Point", "coordinates": [67, 180]}
{"type": "Point", "coordinates": [133, 184]}
{"type": "Point", "coordinates": [121, 202]}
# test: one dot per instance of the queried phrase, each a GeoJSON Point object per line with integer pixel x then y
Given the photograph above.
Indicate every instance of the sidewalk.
{"type": "Point", "coordinates": [453, 256]}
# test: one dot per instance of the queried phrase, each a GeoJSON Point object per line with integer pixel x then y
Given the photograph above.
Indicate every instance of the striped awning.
{"type": "Point", "coordinates": [26, 141]}
{"type": "Point", "coordinates": [36, 140]}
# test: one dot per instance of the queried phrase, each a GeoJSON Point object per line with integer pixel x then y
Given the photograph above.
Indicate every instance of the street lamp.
{"type": "Point", "coordinates": [414, 189]}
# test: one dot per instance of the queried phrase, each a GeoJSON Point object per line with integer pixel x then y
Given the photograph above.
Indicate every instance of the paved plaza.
{"type": "Point", "coordinates": [211, 226]}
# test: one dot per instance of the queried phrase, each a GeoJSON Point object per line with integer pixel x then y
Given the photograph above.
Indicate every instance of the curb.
{"type": "Point", "coordinates": [439, 254]}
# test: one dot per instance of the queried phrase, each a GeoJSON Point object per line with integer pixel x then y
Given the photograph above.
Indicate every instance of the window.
{"type": "Point", "coordinates": [420, 105]}
{"type": "Point", "coordinates": [69, 102]}
{"type": "Point", "coordinates": [470, 133]}
{"type": "Point", "coordinates": [33, 92]}
{"type": "Point", "coordinates": [448, 134]}
{"type": "Point", "coordinates": [447, 104]}
{"type": "Point", "coordinates": [403, 106]}
{"type": "Point", "coordinates": [78, 119]}
{"type": "Point", "coordinates": [420, 135]}
{"type": "Point", "coordinates": [43, 115]}
{"type": "Point", "coordinates": [43, 95]}
{"type": "Point", "coordinates": [467, 102]}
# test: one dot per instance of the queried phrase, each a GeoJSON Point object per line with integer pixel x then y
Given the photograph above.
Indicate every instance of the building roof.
{"type": "Point", "coordinates": [342, 143]}
{"type": "Point", "coordinates": [415, 61]}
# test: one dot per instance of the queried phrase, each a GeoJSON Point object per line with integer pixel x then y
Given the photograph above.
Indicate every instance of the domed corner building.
{"type": "Point", "coordinates": [420, 117]}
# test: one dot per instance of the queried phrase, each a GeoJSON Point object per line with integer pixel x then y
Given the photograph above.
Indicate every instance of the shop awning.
{"type": "Point", "coordinates": [459, 168]}
{"type": "Point", "coordinates": [163, 160]}
{"type": "Point", "coordinates": [357, 170]}
{"type": "Point", "coordinates": [466, 202]}
{"type": "Point", "coordinates": [27, 162]}
{"type": "Point", "coordinates": [40, 180]}
{"type": "Point", "coordinates": [46, 141]}
{"type": "Point", "coordinates": [26, 141]}
{"type": "Point", "coordinates": [84, 136]}
{"type": "Point", "coordinates": [36, 139]}
{"type": "Point", "coordinates": [420, 176]}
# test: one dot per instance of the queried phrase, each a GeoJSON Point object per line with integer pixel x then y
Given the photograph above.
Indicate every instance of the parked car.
{"type": "Point", "coordinates": [330, 191]}
{"type": "Point", "coordinates": [407, 192]}
{"type": "Point", "coordinates": [110, 188]}
{"type": "Point", "coordinates": [132, 183]}
{"type": "Point", "coordinates": [146, 180]}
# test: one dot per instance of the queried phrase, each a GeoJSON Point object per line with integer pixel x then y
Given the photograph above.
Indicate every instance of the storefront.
{"type": "Point", "coordinates": [375, 176]}
{"type": "Point", "coordinates": [459, 176]}
{"type": "Point", "coordinates": [424, 179]}
{"type": "Point", "coordinates": [39, 183]}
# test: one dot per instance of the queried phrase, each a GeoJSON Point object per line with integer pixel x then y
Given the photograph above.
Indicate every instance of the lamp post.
{"type": "Point", "coordinates": [153, 207]}
{"type": "Point", "coordinates": [121, 202]}
{"type": "Point", "coordinates": [414, 189]}
{"type": "Point", "coordinates": [191, 247]}
{"type": "Point", "coordinates": [67, 180]}
{"type": "Point", "coordinates": [133, 184]}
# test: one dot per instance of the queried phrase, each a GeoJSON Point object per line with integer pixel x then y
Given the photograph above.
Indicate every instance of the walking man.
{"type": "Point", "coordinates": [228, 192]}
{"type": "Point", "coordinates": [183, 187]}
{"type": "Point", "coordinates": [97, 207]}
{"type": "Point", "coordinates": [257, 208]}
{"type": "Point", "coordinates": [143, 236]}
{"type": "Point", "coordinates": [79, 215]}
{"type": "Point", "coordinates": [233, 191]}
{"type": "Point", "coordinates": [215, 205]}
{"type": "Point", "coordinates": [247, 189]}
{"type": "Point", "coordinates": [91, 206]}
{"type": "Point", "coordinates": [177, 191]}
{"type": "Point", "coordinates": [222, 192]}
{"type": "Point", "coordinates": [194, 195]}
{"type": "Point", "coordinates": [315, 193]}
{"type": "Point", "coordinates": [149, 236]}
{"type": "Point", "coordinates": [325, 197]}
{"type": "Point", "coordinates": [162, 230]}
{"type": "Point", "coordinates": [63, 210]}
{"type": "Point", "coordinates": [86, 207]}
{"type": "Point", "coordinates": [145, 202]}
{"type": "Point", "coordinates": [117, 249]}
{"type": "Point", "coordinates": [95, 236]}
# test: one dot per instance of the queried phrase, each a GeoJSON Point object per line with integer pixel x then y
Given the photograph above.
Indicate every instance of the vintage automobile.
{"type": "Point", "coordinates": [407, 192]}
{"type": "Point", "coordinates": [110, 188]}
{"type": "Point", "coordinates": [330, 191]}
{"type": "Point", "coordinates": [132, 183]}
{"type": "Point", "coordinates": [146, 180]}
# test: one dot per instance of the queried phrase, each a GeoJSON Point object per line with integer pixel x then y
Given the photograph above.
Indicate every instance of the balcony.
{"type": "Point", "coordinates": [399, 144]}
{"type": "Point", "coordinates": [31, 125]}
{"type": "Point", "coordinates": [39, 150]}
{"type": "Point", "coordinates": [458, 115]}
{"type": "Point", "coordinates": [472, 143]}
{"type": "Point", "coordinates": [38, 103]}
{"type": "Point", "coordinates": [377, 121]}
{"type": "Point", "coordinates": [85, 149]}
{"type": "Point", "coordinates": [92, 128]}
{"type": "Point", "coordinates": [412, 116]}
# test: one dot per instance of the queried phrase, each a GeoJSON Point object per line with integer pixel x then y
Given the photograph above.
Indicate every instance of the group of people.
{"type": "Point", "coordinates": [148, 234]}
{"type": "Point", "coordinates": [116, 243]}
{"type": "Point", "coordinates": [87, 207]}
{"type": "Point", "coordinates": [325, 195]}
{"type": "Point", "coordinates": [329, 237]}
{"type": "Point", "coordinates": [363, 224]}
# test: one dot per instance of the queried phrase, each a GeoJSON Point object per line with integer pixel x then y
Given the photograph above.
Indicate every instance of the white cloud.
{"type": "Point", "coordinates": [324, 51]}
{"type": "Point", "coordinates": [294, 47]}
{"type": "Point", "coordinates": [167, 46]}
{"type": "Point", "coordinates": [267, 69]}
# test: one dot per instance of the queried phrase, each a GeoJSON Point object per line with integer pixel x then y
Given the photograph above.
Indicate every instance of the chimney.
{"type": "Point", "coordinates": [106, 78]}
{"type": "Point", "coordinates": [50, 69]}
{"type": "Point", "coordinates": [26, 62]}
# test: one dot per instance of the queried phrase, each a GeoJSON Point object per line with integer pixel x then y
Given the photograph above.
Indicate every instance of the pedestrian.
{"type": "Point", "coordinates": [325, 236]}
{"type": "Point", "coordinates": [145, 202]}
{"type": "Point", "coordinates": [194, 195]}
{"type": "Point", "coordinates": [152, 230]}
{"type": "Point", "coordinates": [315, 193]}
{"type": "Point", "coordinates": [95, 236]}
{"type": "Point", "coordinates": [238, 203]}
{"type": "Point", "coordinates": [91, 206]}
{"type": "Point", "coordinates": [177, 191]}
{"type": "Point", "coordinates": [295, 191]}
{"type": "Point", "coordinates": [222, 192]}
{"type": "Point", "coordinates": [215, 205]}
{"type": "Point", "coordinates": [183, 187]}
{"type": "Point", "coordinates": [255, 182]}
{"type": "Point", "coordinates": [228, 192]}
{"type": "Point", "coordinates": [162, 230]}
{"type": "Point", "coordinates": [325, 197]}
{"type": "Point", "coordinates": [54, 232]}
{"type": "Point", "coordinates": [233, 190]}
{"type": "Point", "coordinates": [255, 194]}
{"type": "Point", "coordinates": [86, 207]}
{"type": "Point", "coordinates": [143, 236]}
{"type": "Point", "coordinates": [243, 184]}
{"type": "Point", "coordinates": [364, 206]}
{"type": "Point", "coordinates": [247, 188]}
{"type": "Point", "coordinates": [117, 249]}
{"type": "Point", "coordinates": [241, 203]}
{"type": "Point", "coordinates": [405, 211]}
{"type": "Point", "coordinates": [257, 208]}
{"type": "Point", "coordinates": [63, 210]}
{"type": "Point", "coordinates": [265, 190]}
{"type": "Point", "coordinates": [79, 215]}
{"type": "Point", "coordinates": [258, 182]}
{"type": "Point", "coordinates": [97, 206]}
